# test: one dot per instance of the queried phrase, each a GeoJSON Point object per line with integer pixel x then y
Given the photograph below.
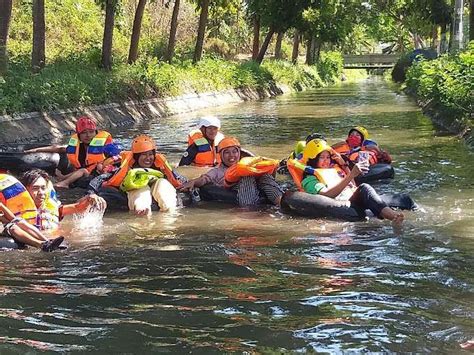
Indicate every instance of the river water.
{"type": "Point", "coordinates": [213, 278]}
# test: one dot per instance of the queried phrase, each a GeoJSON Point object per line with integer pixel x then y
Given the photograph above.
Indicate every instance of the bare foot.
{"type": "Point", "coordinates": [61, 185]}
{"type": "Point", "coordinates": [399, 218]}
{"type": "Point", "coordinates": [468, 345]}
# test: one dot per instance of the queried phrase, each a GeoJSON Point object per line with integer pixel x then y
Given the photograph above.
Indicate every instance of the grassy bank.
{"type": "Point", "coordinates": [77, 81]}
{"type": "Point", "coordinates": [445, 88]}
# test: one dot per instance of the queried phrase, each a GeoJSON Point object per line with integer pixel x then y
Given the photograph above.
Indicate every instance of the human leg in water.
{"type": "Point", "coordinates": [365, 197]}
{"type": "Point", "coordinates": [165, 195]}
{"type": "Point", "coordinates": [272, 191]}
{"type": "Point", "coordinates": [16, 232]}
{"type": "Point", "coordinates": [139, 201]}
{"type": "Point", "coordinates": [247, 191]}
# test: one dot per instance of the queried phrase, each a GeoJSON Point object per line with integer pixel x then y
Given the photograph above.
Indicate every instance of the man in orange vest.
{"type": "Point", "coordinates": [86, 150]}
{"type": "Point", "coordinates": [202, 143]}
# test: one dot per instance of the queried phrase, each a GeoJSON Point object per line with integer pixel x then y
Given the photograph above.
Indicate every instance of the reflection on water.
{"type": "Point", "coordinates": [218, 279]}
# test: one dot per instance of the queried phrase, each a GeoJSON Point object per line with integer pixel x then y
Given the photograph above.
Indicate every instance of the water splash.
{"type": "Point", "coordinates": [90, 221]}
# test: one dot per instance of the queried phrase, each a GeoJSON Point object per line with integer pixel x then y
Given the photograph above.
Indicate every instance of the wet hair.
{"type": "Point", "coordinates": [315, 136]}
{"type": "Point", "coordinates": [29, 177]}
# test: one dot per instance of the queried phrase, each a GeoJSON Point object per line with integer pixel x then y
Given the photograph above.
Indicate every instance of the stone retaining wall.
{"type": "Point", "coordinates": [54, 126]}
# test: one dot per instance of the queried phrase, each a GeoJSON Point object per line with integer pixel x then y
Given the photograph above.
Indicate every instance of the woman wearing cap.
{"type": "Point", "coordinates": [145, 175]}
{"type": "Point", "coordinates": [358, 140]}
{"type": "Point", "coordinates": [86, 151]}
{"type": "Point", "coordinates": [248, 181]}
{"type": "Point", "coordinates": [317, 172]}
{"type": "Point", "coordinates": [202, 143]}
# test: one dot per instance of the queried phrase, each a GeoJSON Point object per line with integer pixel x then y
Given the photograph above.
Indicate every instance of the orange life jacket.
{"type": "Point", "coordinates": [249, 166]}
{"type": "Point", "coordinates": [127, 162]}
{"type": "Point", "coordinates": [95, 150]}
{"type": "Point", "coordinates": [353, 154]}
{"type": "Point", "coordinates": [17, 199]}
{"type": "Point", "coordinates": [207, 153]}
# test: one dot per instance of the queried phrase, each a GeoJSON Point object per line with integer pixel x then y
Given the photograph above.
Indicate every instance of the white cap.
{"type": "Point", "coordinates": [207, 121]}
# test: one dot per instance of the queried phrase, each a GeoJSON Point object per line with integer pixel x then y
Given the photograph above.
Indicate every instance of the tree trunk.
{"type": "Point", "coordinates": [38, 56]}
{"type": "Point", "coordinates": [310, 49]}
{"type": "Point", "coordinates": [173, 29]}
{"type": "Point", "coordinates": [279, 39]}
{"type": "Point", "coordinates": [296, 45]}
{"type": "Point", "coordinates": [256, 37]}
{"type": "Point", "coordinates": [443, 43]}
{"type": "Point", "coordinates": [471, 20]}
{"type": "Point", "coordinates": [201, 30]}
{"type": "Point", "coordinates": [137, 27]}
{"type": "Point", "coordinates": [317, 49]}
{"type": "Point", "coordinates": [106, 62]}
{"type": "Point", "coordinates": [5, 17]}
{"type": "Point", "coordinates": [457, 25]}
{"type": "Point", "coordinates": [266, 42]}
{"type": "Point", "coordinates": [435, 39]}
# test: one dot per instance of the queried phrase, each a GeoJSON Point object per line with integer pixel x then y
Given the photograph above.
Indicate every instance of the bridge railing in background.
{"type": "Point", "coordinates": [370, 61]}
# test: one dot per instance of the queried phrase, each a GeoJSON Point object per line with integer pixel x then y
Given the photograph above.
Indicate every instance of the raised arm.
{"type": "Point", "coordinates": [48, 149]}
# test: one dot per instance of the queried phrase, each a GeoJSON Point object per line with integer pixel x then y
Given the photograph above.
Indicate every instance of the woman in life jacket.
{"type": "Point", "coordinates": [49, 210]}
{"type": "Point", "coordinates": [144, 175]}
{"type": "Point", "coordinates": [86, 150]}
{"type": "Point", "coordinates": [202, 143]}
{"type": "Point", "coordinates": [321, 177]}
{"type": "Point", "coordinates": [249, 177]}
{"type": "Point", "coordinates": [358, 140]}
{"type": "Point", "coordinates": [17, 210]}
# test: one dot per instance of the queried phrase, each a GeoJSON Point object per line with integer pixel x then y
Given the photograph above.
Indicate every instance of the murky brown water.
{"type": "Point", "coordinates": [216, 279]}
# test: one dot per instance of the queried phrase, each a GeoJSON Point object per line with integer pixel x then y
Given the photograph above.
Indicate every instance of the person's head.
{"type": "Point", "coordinates": [356, 136]}
{"type": "Point", "coordinates": [229, 149]}
{"type": "Point", "coordinates": [315, 136]}
{"type": "Point", "coordinates": [144, 150]}
{"type": "Point", "coordinates": [317, 154]}
{"type": "Point", "coordinates": [209, 126]}
{"type": "Point", "coordinates": [37, 183]}
{"type": "Point", "coordinates": [86, 129]}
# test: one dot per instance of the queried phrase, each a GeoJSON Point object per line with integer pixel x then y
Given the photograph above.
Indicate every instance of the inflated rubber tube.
{"type": "Point", "coordinates": [117, 200]}
{"type": "Point", "coordinates": [376, 172]}
{"type": "Point", "coordinates": [10, 243]}
{"type": "Point", "coordinates": [211, 192]}
{"type": "Point", "coordinates": [318, 206]}
{"type": "Point", "coordinates": [20, 162]}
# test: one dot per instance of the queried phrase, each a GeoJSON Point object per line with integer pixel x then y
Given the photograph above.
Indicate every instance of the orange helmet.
{"type": "Point", "coordinates": [84, 123]}
{"type": "Point", "coordinates": [228, 142]}
{"type": "Point", "coordinates": [142, 144]}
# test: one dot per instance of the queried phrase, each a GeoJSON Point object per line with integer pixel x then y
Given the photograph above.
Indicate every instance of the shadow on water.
{"type": "Point", "coordinates": [217, 279]}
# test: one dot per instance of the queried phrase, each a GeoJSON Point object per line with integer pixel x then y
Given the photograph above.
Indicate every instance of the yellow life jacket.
{"type": "Point", "coordinates": [95, 150]}
{"type": "Point", "coordinates": [140, 177]}
{"type": "Point", "coordinates": [48, 214]}
{"type": "Point", "coordinates": [329, 177]}
{"type": "Point", "coordinates": [249, 166]}
{"type": "Point", "coordinates": [127, 162]}
{"type": "Point", "coordinates": [17, 199]}
{"type": "Point", "coordinates": [207, 153]}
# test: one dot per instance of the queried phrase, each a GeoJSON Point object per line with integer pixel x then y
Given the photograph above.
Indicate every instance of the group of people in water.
{"type": "Point", "coordinates": [29, 208]}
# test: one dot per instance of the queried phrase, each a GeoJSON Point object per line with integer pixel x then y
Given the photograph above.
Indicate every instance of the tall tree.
{"type": "Point", "coordinates": [110, 7]}
{"type": "Point", "coordinates": [458, 36]}
{"type": "Point", "coordinates": [279, 40]}
{"type": "Point", "coordinates": [137, 27]}
{"type": "Point", "coordinates": [265, 44]}
{"type": "Point", "coordinates": [256, 36]}
{"type": "Point", "coordinates": [38, 54]}
{"type": "Point", "coordinates": [471, 20]}
{"type": "Point", "coordinates": [5, 17]}
{"type": "Point", "coordinates": [173, 28]}
{"type": "Point", "coordinates": [204, 6]}
{"type": "Point", "coordinates": [296, 45]}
